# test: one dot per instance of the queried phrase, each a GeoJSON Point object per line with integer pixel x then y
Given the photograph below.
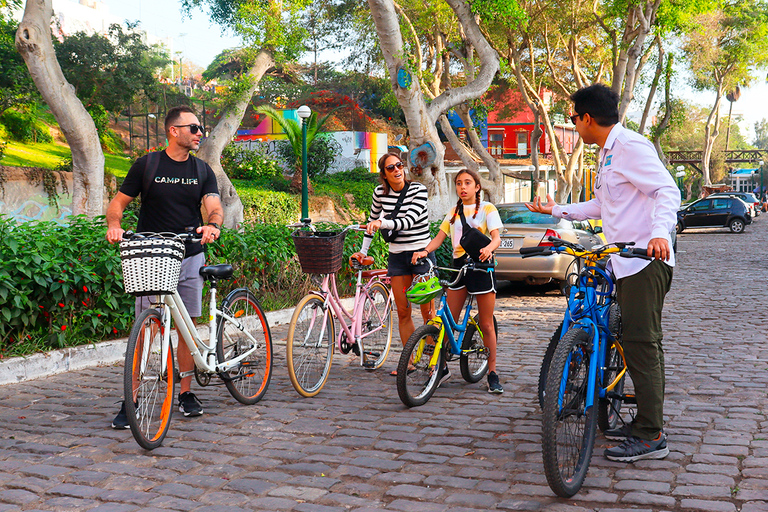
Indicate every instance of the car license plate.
{"type": "Point", "coordinates": [507, 243]}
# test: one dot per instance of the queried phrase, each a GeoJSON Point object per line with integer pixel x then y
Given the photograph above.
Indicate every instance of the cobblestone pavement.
{"type": "Point", "coordinates": [356, 447]}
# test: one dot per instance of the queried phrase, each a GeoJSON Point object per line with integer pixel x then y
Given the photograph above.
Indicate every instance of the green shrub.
{"type": "Point", "coordinates": [25, 126]}
{"type": "Point", "coordinates": [358, 182]}
{"type": "Point", "coordinates": [59, 286]}
{"type": "Point", "coordinates": [320, 154]}
{"type": "Point", "coordinates": [270, 207]}
{"type": "Point", "coordinates": [241, 163]}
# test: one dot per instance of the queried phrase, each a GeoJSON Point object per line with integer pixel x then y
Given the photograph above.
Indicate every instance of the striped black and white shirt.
{"type": "Point", "coordinates": [412, 221]}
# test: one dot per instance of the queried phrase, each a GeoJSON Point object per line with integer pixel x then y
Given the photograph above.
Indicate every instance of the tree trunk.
{"type": "Point", "coordinates": [711, 131]}
{"type": "Point", "coordinates": [419, 116]}
{"type": "Point", "coordinates": [33, 41]}
{"type": "Point", "coordinates": [222, 134]}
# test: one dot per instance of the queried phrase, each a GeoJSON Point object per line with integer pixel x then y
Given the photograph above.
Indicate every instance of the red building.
{"type": "Point", "coordinates": [510, 125]}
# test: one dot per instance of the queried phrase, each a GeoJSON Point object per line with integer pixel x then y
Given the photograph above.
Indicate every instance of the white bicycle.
{"type": "Point", "coordinates": [238, 352]}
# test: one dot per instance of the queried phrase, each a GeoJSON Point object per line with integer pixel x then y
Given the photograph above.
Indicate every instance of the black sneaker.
{"type": "Point", "coordinates": [619, 434]}
{"type": "Point", "coordinates": [190, 405]}
{"type": "Point", "coordinates": [634, 448]}
{"type": "Point", "coordinates": [445, 375]}
{"type": "Point", "coordinates": [493, 384]}
{"type": "Point", "coordinates": [121, 420]}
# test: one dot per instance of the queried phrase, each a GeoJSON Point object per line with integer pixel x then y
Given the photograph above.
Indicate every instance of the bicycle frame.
{"type": "Point", "coordinates": [353, 329]}
{"type": "Point", "coordinates": [203, 354]}
{"type": "Point", "coordinates": [584, 311]}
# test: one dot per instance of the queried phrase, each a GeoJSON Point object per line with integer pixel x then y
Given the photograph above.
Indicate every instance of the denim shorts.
{"type": "Point", "coordinates": [476, 282]}
{"type": "Point", "coordinates": [399, 264]}
{"type": "Point", "coordinates": [190, 287]}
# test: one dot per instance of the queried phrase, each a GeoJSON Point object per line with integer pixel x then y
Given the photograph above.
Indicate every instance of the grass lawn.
{"type": "Point", "coordinates": [48, 156]}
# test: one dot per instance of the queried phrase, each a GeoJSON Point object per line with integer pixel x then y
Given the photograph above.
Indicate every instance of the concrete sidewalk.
{"type": "Point", "coordinates": [34, 366]}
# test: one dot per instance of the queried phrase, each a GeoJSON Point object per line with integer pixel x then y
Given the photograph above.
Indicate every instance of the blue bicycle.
{"type": "Point", "coordinates": [426, 352]}
{"type": "Point", "coordinates": [585, 378]}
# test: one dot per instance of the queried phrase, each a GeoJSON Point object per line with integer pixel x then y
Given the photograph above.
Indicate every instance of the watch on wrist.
{"type": "Point", "coordinates": [214, 225]}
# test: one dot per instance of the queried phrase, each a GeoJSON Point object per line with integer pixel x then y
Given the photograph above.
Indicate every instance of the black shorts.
{"type": "Point", "coordinates": [399, 264]}
{"type": "Point", "coordinates": [477, 282]}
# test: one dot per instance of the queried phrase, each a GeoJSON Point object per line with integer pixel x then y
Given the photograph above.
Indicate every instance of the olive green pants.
{"type": "Point", "coordinates": [641, 299]}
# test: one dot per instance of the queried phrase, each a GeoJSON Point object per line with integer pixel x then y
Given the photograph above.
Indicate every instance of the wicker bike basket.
{"type": "Point", "coordinates": [320, 252]}
{"type": "Point", "coordinates": [151, 266]}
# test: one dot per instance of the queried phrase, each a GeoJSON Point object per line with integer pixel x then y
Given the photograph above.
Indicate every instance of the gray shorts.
{"type": "Point", "coordinates": [190, 287]}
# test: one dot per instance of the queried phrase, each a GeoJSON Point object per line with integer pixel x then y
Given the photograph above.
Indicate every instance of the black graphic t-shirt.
{"type": "Point", "coordinates": [172, 202]}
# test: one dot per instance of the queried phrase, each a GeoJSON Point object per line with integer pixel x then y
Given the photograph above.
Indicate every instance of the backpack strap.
{"type": "Point", "coordinates": [153, 161]}
{"type": "Point", "coordinates": [399, 203]}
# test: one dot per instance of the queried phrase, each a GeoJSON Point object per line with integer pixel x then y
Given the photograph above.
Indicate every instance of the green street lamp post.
{"type": "Point", "coordinates": [304, 112]}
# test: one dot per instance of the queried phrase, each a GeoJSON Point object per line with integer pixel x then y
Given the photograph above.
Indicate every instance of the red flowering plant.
{"type": "Point", "coordinates": [59, 285]}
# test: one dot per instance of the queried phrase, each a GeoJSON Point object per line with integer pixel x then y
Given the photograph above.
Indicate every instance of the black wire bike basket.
{"type": "Point", "coordinates": [151, 266]}
{"type": "Point", "coordinates": [320, 252]}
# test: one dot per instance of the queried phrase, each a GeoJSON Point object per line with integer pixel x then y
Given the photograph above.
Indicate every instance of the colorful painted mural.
{"type": "Point", "coordinates": [357, 148]}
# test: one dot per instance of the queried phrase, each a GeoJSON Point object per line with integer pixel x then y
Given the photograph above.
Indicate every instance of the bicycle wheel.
{"type": "Point", "coordinates": [376, 329]}
{"type": "Point", "coordinates": [474, 362]}
{"type": "Point", "coordinates": [568, 428]}
{"type": "Point", "coordinates": [248, 381]}
{"type": "Point", "coordinates": [609, 409]}
{"type": "Point", "coordinates": [309, 349]}
{"type": "Point", "coordinates": [553, 341]}
{"type": "Point", "coordinates": [148, 386]}
{"type": "Point", "coordinates": [416, 379]}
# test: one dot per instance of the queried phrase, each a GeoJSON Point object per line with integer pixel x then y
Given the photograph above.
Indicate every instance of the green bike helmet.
{"type": "Point", "coordinates": [424, 289]}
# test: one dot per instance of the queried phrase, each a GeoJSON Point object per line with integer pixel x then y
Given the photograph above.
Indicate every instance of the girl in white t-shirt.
{"type": "Point", "coordinates": [483, 216]}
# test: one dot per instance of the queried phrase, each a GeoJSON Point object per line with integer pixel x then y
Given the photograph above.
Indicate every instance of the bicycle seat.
{"type": "Point", "coordinates": [361, 259]}
{"type": "Point", "coordinates": [211, 272]}
{"type": "Point", "coordinates": [368, 274]}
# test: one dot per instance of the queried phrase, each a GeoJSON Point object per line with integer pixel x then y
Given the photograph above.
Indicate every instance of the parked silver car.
{"type": "Point", "coordinates": [524, 228]}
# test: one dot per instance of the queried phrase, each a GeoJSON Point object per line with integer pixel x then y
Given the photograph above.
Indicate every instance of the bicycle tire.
{"type": "Point", "coordinates": [416, 379]}
{"type": "Point", "coordinates": [609, 409]}
{"type": "Point", "coordinates": [550, 352]}
{"type": "Point", "coordinates": [568, 430]}
{"type": "Point", "coordinates": [148, 390]}
{"type": "Point", "coordinates": [247, 382]}
{"type": "Point", "coordinates": [377, 320]}
{"type": "Point", "coordinates": [310, 357]}
{"type": "Point", "coordinates": [474, 364]}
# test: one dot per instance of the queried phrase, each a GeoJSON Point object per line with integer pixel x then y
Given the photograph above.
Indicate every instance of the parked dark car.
{"type": "Point", "coordinates": [730, 212]}
{"type": "Point", "coordinates": [747, 197]}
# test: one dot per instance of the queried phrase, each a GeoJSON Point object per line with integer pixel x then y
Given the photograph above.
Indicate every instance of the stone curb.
{"type": "Point", "coordinates": [19, 369]}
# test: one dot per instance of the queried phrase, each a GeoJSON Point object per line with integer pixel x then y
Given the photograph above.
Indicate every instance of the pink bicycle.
{"type": "Point", "coordinates": [366, 330]}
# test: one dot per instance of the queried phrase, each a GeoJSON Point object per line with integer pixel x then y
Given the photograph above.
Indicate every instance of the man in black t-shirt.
{"type": "Point", "coordinates": [170, 202]}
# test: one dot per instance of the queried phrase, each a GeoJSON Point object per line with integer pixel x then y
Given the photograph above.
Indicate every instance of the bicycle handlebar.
{"type": "Point", "coordinates": [190, 237]}
{"type": "Point", "coordinates": [470, 265]}
{"type": "Point", "coordinates": [623, 249]}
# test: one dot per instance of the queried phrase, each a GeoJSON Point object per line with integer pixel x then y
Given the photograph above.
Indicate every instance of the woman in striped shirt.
{"type": "Point", "coordinates": [410, 227]}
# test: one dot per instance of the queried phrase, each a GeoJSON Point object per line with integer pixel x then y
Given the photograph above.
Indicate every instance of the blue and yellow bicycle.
{"type": "Point", "coordinates": [431, 346]}
{"type": "Point", "coordinates": [583, 385]}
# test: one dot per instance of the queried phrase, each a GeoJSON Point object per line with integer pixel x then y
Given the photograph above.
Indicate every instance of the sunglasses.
{"type": "Point", "coordinates": [574, 117]}
{"type": "Point", "coordinates": [391, 167]}
{"type": "Point", "coordinates": [193, 128]}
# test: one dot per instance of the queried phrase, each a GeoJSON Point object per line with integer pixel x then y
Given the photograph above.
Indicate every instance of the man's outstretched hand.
{"type": "Point", "coordinates": [538, 206]}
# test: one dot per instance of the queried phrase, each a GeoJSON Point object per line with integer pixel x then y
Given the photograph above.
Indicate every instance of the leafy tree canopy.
{"type": "Point", "coordinates": [16, 85]}
{"type": "Point", "coordinates": [263, 24]}
{"type": "Point", "coordinates": [110, 71]}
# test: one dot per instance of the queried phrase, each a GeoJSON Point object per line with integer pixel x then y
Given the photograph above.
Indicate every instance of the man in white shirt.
{"type": "Point", "coordinates": [638, 201]}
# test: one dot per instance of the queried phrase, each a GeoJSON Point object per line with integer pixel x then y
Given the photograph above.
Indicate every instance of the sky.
{"type": "Point", "coordinates": [196, 37]}
{"type": "Point", "coordinates": [200, 41]}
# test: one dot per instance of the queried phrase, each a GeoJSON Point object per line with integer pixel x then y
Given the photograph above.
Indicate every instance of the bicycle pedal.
{"type": "Point", "coordinates": [368, 364]}
{"type": "Point", "coordinates": [629, 399]}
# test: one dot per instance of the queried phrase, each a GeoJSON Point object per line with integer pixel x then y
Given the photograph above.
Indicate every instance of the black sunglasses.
{"type": "Point", "coordinates": [574, 117]}
{"type": "Point", "coordinates": [193, 128]}
{"type": "Point", "coordinates": [391, 167]}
